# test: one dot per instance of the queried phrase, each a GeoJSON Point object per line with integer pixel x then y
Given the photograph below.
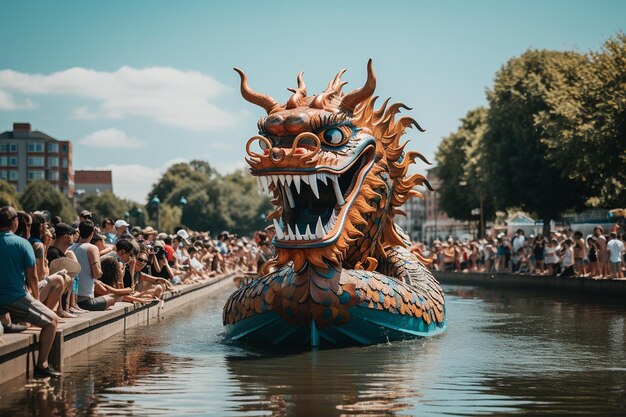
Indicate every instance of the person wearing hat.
{"type": "Point", "coordinates": [17, 271]}
{"type": "Point", "coordinates": [149, 234]}
{"type": "Point", "coordinates": [60, 249]}
{"type": "Point", "coordinates": [121, 229]}
{"type": "Point", "coordinates": [84, 215]}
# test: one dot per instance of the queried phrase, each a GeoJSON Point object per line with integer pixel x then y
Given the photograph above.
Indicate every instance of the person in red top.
{"type": "Point", "coordinates": [169, 250]}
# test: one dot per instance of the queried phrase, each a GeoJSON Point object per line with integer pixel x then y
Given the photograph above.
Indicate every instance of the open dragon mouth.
{"type": "Point", "coordinates": [313, 203]}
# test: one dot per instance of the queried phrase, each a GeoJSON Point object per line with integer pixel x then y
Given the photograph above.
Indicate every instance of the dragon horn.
{"type": "Point", "coordinates": [298, 94]}
{"type": "Point", "coordinates": [352, 99]}
{"type": "Point", "coordinates": [263, 100]}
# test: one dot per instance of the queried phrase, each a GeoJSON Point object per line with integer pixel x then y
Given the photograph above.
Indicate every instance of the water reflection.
{"type": "Point", "coordinates": [504, 352]}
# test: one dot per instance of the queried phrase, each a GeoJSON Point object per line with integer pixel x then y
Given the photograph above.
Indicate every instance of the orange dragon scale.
{"type": "Point", "coordinates": [334, 167]}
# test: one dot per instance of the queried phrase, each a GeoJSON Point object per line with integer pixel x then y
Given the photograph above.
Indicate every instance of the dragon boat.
{"type": "Point", "coordinates": [343, 274]}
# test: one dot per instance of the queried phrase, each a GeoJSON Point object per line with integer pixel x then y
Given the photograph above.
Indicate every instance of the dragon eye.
{"type": "Point", "coordinates": [333, 136]}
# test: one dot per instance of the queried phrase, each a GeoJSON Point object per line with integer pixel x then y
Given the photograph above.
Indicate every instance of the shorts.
{"type": "Point", "coordinates": [42, 284]}
{"type": "Point", "coordinates": [579, 261]}
{"type": "Point", "coordinates": [616, 267]}
{"type": "Point", "coordinates": [29, 310]}
{"type": "Point", "coordinates": [93, 304]}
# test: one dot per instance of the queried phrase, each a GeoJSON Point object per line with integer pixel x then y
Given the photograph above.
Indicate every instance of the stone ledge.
{"type": "Point", "coordinates": [18, 351]}
{"type": "Point", "coordinates": [606, 288]}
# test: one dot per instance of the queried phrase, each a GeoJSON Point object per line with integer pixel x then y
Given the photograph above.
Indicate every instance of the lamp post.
{"type": "Point", "coordinates": [126, 216]}
{"type": "Point", "coordinates": [155, 202]}
{"type": "Point", "coordinates": [182, 202]}
{"type": "Point", "coordinates": [137, 213]}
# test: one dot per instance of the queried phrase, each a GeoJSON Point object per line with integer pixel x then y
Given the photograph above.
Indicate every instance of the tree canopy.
{"type": "Point", "coordinates": [40, 195]}
{"type": "Point", "coordinates": [213, 202]}
{"type": "Point", "coordinates": [460, 167]}
{"type": "Point", "coordinates": [8, 195]}
{"type": "Point", "coordinates": [551, 140]}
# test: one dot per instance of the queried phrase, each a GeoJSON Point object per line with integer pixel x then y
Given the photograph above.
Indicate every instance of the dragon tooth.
{"type": "Point", "coordinates": [275, 180]}
{"type": "Point", "coordinates": [290, 235]}
{"type": "Point", "coordinates": [289, 179]}
{"type": "Point", "coordinates": [292, 203]}
{"type": "Point", "coordinates": [298, 235]}
{"type": "Point", "coordinates": [307, 233]}
{"type": "Point", "coordinates": [338, 195]}
{"type": "Point", "coordinates": [322, 177]}
{"type": "Point", "coordinates": [313, 184]}
{"type": "Point", "coordinates": [305, 178]}
{"type": "Point", "coordinates": [281, 177]}
{"type": "Point", "coordinates": [264, 181]}
{"type": "Point", "coordinates": [296, 181]}
{"type": "Point", "coordinates": [259, 185]}
{"type": "Point", "coordinates": [319, 229]}
{"type": "Point", "coordinates": [279, 231]}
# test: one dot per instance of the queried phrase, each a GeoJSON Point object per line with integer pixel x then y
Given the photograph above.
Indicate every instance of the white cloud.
{"type": "Point", "coordinates": [7, 102]}
{"type": "Point", "coordinates": [111, 138]}
{"type": "Point", "coordinates": [165, 95]}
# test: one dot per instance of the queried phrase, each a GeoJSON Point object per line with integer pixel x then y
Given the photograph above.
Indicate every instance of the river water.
{"type": "Point", "coordinates": [503, 353]}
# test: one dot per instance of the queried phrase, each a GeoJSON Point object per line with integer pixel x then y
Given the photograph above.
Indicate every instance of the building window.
{"type": "Point", "coordinates": [3, 175]}
{"type": "Point", "coordinates": [36, 161]}
{"type": "Point", "coordinates": [12, 161]}
{"type": "Point", "coordinates": [53, 147]}
{"type": "Point", "coordinates": [12, 147]}
{"type": "Point", "coordinates": [64, 176]}
{"type": "Point", "coordinates": [64, 162]}
{"type": "Point", "coordinates": [64, 148]}
{"type": "Point", "coordinates": [36, 175]}
{"type": "Point", "coordinates": [4, 161]}
{"type": "Point", "coordinates": [53, 161]}
{"type": "Point", "coordinates": [35, 147]}
{"type": "Point", "coordinates": [4, 147]}
{"type": "Point", "coordinates": [53, 175]}
{"type": "Point", "coordinates": [12, 175]}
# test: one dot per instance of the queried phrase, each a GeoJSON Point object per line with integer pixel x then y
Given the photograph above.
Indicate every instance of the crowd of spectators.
{"type": "Point", "coordinates": [568, 253]}
{"type": "Point", "coordinates": [52, 271]}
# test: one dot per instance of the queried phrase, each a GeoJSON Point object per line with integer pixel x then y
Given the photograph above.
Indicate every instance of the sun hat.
{"type": "Point", "coordinates": [72, 267]}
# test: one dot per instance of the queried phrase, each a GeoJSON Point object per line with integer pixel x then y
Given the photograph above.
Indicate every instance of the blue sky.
{"type": "Point", "coordinates": [138, 85]}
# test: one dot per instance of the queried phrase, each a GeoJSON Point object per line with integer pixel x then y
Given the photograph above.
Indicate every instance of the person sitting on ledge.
{"type": "Point", "coordinates": [145, 284]}
{"type": "Point", "coordinates": [111, 283]}
{"type": "Point", "coordinates": [89, 258]}
{"type": "Point", "coordinates": [16, 269]}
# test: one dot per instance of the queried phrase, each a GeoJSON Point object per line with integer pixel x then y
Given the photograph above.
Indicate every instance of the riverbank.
{"type": "Point", "coordinates": [18, 351]}
{"type": "Point", "coordinates": [608, 288]}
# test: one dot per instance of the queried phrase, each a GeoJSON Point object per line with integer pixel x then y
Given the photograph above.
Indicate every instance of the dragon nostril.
{"type": "Point", "coordinates": [277, 154]}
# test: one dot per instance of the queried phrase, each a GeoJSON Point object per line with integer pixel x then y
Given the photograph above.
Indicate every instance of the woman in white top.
{"type": "Point", "coordinates": [550, 258]}
{"type": "Point", "coordinates": [567, 259]}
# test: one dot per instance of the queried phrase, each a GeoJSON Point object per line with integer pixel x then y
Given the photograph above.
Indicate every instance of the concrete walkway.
{"type": "Point", "coordinates": [18, 351]}
{"type": "Point", "coordinates": [608, 288]}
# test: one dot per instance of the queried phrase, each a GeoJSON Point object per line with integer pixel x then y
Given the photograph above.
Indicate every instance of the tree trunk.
{"type": "Point", "coordinates": [546, 228]}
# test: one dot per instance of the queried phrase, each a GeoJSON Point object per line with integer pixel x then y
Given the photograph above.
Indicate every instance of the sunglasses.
{"type": "Point", "coordinates": [142, 260]}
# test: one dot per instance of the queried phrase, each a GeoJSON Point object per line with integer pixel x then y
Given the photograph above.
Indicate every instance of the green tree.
{"type": "Point", "coordinates": [8, 195]}
{"type": "Point", "coordinates": [520, 171]}
{"type": "Point", "coordinates": [41, 195]}
{"type": "Point", "coordinates": [460, 167]}
{"type": "Point", "coordinates": [214, 202]}
{"type": "Point", "coordinates": [103, 205]}
{"type": "Point", "coordinates": [584, 126]}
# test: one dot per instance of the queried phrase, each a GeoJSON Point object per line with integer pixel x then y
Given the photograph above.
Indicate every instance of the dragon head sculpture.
{"type": "Point", "coordinates": [336, 171]}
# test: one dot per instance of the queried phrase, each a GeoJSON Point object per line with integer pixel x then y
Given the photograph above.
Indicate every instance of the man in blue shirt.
{"type": "Point", "coordinates": [18, 267]}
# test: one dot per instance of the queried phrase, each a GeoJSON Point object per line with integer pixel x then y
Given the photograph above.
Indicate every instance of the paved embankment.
{"type": "Point", "coordinates": [18, 351]}
{"type": "Point", "coordinates": [611, 288]}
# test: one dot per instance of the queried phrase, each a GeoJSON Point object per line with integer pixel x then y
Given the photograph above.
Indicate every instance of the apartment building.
{"type": "Point", "coordinates": [27, 155]}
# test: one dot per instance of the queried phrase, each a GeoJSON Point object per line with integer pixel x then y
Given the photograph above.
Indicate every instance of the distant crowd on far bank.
{"type": "Point", "coordinates": [566, 253]}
